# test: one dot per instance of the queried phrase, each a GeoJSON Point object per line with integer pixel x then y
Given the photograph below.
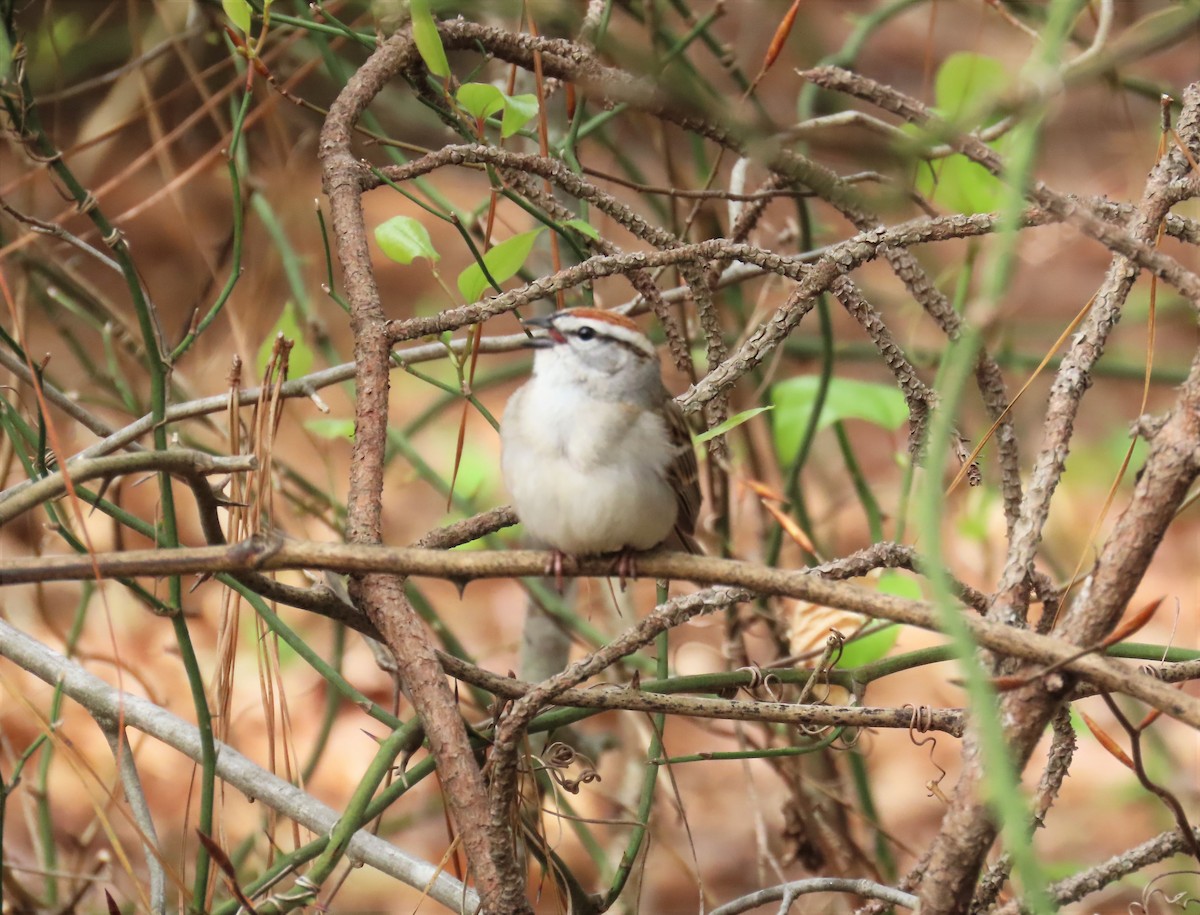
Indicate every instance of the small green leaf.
{"type": "Point", "coordinates": [300, 359]}
{"type": "Point", "coordinates": [732, 423]}
{"type": "Point", "coordinates": [238, 12]}
{"type": "Point", "coordinates": [480, 100]}
{"type": "Point", "coordinates": [966, 91]}
{"type": "Point", "coordinates": [880, 404]}
{"type": "Point", "coordinates": [519, 110]}
{"type": "Point", "coordinates": [899, 585]}
{"type": "Point", "coordinates": [869, 648]}
{"type": "Point", "coordinates": [428, 39]}
{"type": "Point", "coordinates": [975, 523]}
{"type": "Point", "coordinates": [404, 239]}
{"type": "Point", "coordinates": [503, 261]}
{"type": "Point", "coordinates": [872, 647]}
{"type": "Point", "coordinates": [968, 86]}
{"type": "Point", "coordinates": [961, 185]}
{"type": "Point", "coordinates": [583, 227]}
{"type": "Point", "coordinates": [330, 428]}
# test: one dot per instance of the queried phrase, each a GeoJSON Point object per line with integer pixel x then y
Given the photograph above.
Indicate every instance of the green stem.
{"type": "Point", "coordinates": [333, 703]}
{"type": "Point", "coordinates": [649, 779]}
{"type": "Point", "coordinates": [1000, 781]}
{"type": "Point", "coordinates": [235, 266]}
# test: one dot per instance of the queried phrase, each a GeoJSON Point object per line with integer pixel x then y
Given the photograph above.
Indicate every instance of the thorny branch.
{"type": "Point", "coordinates": [1173, 464]}
{"type": "Point", "coordinates": [381, 597]}
{"type": "Point", "coordinates": [261, 554]}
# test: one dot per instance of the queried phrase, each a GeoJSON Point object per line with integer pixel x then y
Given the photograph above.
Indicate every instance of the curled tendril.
{"type": "Point", "coordinates": [835, 644]}
{"type": "Point", "coordinates": [1182, 900]}
{"type": "Point", "coordinates": [760, 679]}
{"type": "Point", "coordinates": [920, 723]}
{"type": "Point", "coordinates": [559, 756]}
{"type": "Point", "coordinates": [849, 738]}
{"type": "Point", "coordinates": [756, 676]}
{"type": "Point", "coordinates": [813, 730]}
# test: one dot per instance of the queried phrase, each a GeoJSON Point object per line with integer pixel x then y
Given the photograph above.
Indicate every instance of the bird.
{"type": "Point", "coordinates": [595, 452]}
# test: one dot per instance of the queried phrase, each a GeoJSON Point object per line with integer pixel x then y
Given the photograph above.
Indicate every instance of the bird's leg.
{"type": "Point", "coordinates": [555, 567]}
{"type": "Point", "coordinates": [626, 566]}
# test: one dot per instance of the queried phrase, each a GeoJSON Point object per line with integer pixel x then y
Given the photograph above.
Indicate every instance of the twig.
{"type": "Point", "coordinates": [104, 702]}
{"type": "Point", "coordinates": [788, 891]}
{"type": "Point", "coordinates": [644, 699]}
{"type": "Point", "coordinates": [192, 465]}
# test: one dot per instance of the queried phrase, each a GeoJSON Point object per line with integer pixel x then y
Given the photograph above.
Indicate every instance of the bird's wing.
{"type": "Point", "coordinates": [684, 476]}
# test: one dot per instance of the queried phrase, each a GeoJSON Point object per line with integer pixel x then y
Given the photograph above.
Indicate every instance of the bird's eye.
{"type": "Point", "coordinates": [585, 333]}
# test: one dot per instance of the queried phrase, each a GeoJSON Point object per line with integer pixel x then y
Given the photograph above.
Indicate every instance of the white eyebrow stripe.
{"type": "Point", "coordinates": [568, 323]}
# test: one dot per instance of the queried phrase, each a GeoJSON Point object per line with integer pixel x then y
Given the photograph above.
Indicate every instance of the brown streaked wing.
{"type": "Point", "coordinates": [684, 476]}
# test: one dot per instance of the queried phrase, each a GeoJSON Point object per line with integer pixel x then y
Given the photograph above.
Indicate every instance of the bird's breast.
{"type": "Point", "coordinates": [587, 475]}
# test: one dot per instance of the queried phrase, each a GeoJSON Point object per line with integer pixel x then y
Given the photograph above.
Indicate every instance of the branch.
{"type": "Point", "coordinates": [191, 465]}
{"type": "Point", "coordinates": [104, 703]}
{"type": "Point", "coordinates": [646, 698]}
{"type": "Point", "coordinates": [362, 559]}
{"type": "Point", "coordinates": [789, 891]}
{"type": "Point", "coordinates": [1096, 878]}
{"type": "Point", "coordinates": [381, 597]}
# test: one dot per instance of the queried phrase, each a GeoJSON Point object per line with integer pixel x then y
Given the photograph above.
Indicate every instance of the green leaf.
{"type": "Point", "coordinates": [879, 404]}
{"type": "Point", "coordinates": [480, 100]}
{"type": "Point", "coordinates": [732, 423]}
{"type": "Point", "coordinates": [238, 12]}
{"type": "Point", "coordinates": [869, 648]}
{"type": "Point", "coordinates": [428, 39]}
{"type": "Point", "coordinates": [966, 91]}
{"type": "Point", "coordinates": [330, 428]}
{"type": "Point", "coordinates": [976, 520]}
{"type": "Point", "coordinates": [503, 261]}
{"type": "Point", "coordinates": [583, 227]}
{"type": "Point", "coordinates": [300, 359]}
{"type": "Point", "coordinates": [876, 645]}
{"type": "Point", "coordinates": [961, 185]}
{"type": "Point", "coordinates": [898, 585]}
{"type": "Point", "coordinates": [968, 86]}
{"type": "Point", "coordinates": [404, 239]}
{"type": "Point", "coordinates": [519, 110]}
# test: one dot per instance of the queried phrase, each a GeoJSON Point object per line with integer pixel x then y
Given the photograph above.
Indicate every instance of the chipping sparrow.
{"type": "Point", "coordinates": [595, 452]}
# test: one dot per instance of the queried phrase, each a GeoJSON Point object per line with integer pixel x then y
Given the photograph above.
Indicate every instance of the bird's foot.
{"type": "Point", "coordinates": [555, 567]}
{"type": "Point", "coordinates": [626, 566]}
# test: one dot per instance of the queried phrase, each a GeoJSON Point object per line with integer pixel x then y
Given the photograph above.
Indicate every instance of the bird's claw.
{"type": "Point", "coordinates": [626, 566]}
{"type": "Point", "coordinates": [555, 567]}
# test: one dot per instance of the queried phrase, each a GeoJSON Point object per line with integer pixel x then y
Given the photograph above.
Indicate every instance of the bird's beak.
{"type": "Point", "coordinates": [552, 336]}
